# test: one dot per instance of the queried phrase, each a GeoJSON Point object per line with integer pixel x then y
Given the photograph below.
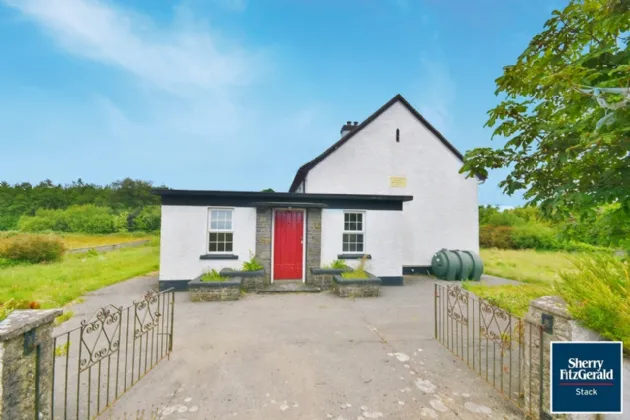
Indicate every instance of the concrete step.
{"type": "Point", "coordinates": [289, 286]}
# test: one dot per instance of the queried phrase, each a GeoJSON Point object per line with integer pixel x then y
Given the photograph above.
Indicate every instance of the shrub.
{"type": "Point", "coordinates": [148, 220]}
{"type": "Point", "coordinates": [337, 264]}
{"type": "Point", "coordinates": [504, 218]}
{"type": "Point", "coordinates": [534, 236]}
{"type": "Point", "coordinates": [252, 264]}
{"type": "Point", "coordinates": [213, 275]}
{"type": "Point", "coordinates": [573, 246]}
{"type": "Point", "coordinates": [33, 249]}
{"type": "Point", "coordinates": [496, 237]}
{"type": "Point", "coordinates": [120, 222]}
{"type": "Point", "coordinates": [90, 219]}
{"type": "Point", "coordinates": [44, 220]}
{"type": "Point", "coordinates": [86, 219]}
{"type": "Point", "coordinates": [598, 294]}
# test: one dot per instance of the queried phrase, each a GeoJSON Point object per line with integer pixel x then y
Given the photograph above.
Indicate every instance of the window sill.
{"type": "Point", "coordinates": [218, 257]}
{"type": "Point", "coordinates": [353, 256]}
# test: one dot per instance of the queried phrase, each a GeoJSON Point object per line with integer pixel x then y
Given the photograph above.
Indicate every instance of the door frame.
{"type": "Point", "coordinates": [273, 240]}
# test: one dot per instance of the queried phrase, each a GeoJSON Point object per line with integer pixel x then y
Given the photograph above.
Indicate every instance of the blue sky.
{"type": "Point", "coordinates": [237, 94]}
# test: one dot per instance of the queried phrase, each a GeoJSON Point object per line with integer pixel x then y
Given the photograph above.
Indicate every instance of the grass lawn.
{"type": "Point", "coordinates": [77, 240]}
{"type": "Point", "coordinates": [526, 265]}
{"type": "Point", "coordinates": [536, 269]}
{"type": "Point", "coordinates": [56, 284]}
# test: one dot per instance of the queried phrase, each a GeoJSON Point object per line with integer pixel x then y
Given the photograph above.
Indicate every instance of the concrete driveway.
{"type": "Point", "coordinates": [304, 356]}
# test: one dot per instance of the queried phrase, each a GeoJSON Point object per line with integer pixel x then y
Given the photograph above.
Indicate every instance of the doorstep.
{"type": "Point", "coordinates": [289, 286]}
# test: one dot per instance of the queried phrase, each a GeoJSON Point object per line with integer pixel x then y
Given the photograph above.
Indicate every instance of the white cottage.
{"type": "Point", "coordinates": [389, 189]}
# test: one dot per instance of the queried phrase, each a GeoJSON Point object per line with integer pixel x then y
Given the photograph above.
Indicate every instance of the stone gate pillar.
{"type": "Point", "coordinates": [26, 351]}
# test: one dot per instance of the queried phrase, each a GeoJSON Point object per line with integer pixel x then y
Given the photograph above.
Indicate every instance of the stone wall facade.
{"type": "Point", "coordinates": [18, 365]}
{"type": "Point", "coordinates": [313, 243]}
{"type": "Point", "coordinates": [264, 219]}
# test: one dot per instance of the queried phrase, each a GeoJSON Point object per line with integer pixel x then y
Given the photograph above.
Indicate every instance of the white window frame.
{"type": "Point", "coordinates": [210, 230]}
{"type": "Point", "coordinates": [354, 232]}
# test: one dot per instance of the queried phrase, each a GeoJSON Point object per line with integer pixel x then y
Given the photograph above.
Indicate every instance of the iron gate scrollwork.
{"type": "Point", "coordinates": [493, 342]}
{"type": "Point", "coordinates": [95, 363]}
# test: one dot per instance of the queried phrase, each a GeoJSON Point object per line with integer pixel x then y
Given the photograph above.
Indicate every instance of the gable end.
{"type": "Point", "coordinates": [300, 176]}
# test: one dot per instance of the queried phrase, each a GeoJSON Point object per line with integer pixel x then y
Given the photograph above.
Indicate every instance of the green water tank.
{"type": "Point", "coordinates": [477, 269]}
{"type": "Point", "coordinates": [445, 264]}
{"type": "Point", "coordinates": [466, 264]}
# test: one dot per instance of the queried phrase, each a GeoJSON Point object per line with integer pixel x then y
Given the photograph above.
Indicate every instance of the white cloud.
{"type": "Point", "coordinates": [182, 57]}
{"type": "Point", "coordinates": [190, 97]}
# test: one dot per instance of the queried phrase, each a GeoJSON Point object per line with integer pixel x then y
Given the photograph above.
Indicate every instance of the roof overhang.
{"type": "Point", "coordinates": [281, 199]}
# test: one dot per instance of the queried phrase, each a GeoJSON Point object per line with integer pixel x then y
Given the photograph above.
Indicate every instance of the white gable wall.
{"type": "Point", "coordinates": [443, 213]}
{"type": "Point", "coordinates": [184, 238]}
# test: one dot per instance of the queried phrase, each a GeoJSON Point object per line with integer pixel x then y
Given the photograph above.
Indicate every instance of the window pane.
{"type": "Point", "coordinates": [228, 215]}
{"type": "Point", "coordinates": [359, 226]}
{"type": "Point", "coordinates": [212, 247]}
{"type": "Point", "coordinates": [213, 237]}
{"type": "Point", "coordinates": [359, 217]}
{"type": "Point", "coordinates": [228, 225]}
{"type": "Point", "coordinates": [220, 247]}
{"type": "Point", "coordinates": [228, 247]}
{"type": "Point", "coordinates": [346, 217]}
{"type": "Point", "coordinates": [353, 247]}
{"type": "Point", "coordinates": [229, 237]}
{"type": "Point", "coordinates": [346, 247]}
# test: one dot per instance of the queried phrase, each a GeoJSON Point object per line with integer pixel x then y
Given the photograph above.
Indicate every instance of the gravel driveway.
{"type": "Point", "coordinates": [304, 356]}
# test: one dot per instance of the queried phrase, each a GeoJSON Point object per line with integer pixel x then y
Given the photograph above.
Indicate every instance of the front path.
{"type": "Point", "coordinates": [307, 356]}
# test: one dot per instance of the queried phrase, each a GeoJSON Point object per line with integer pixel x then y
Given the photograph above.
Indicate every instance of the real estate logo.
{"type": "Point", "coordinates": [586, 377]}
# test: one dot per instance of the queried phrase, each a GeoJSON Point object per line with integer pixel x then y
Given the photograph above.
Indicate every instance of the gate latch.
{"type": "Point", "coordinates": [29, 342]}
{"type": "Point", "coordinates": [547, 323]}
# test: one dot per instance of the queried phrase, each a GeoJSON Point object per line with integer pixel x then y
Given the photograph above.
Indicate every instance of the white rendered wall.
{"type": "Point", "coordinates": [443, 213]}
{"type": "Point", "coordinates": [184, 237]}
{"type": "Point", "coordinates": [382, 240]}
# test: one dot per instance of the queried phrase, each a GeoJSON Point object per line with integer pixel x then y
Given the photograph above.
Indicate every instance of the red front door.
{"type": "Point", "coordinates": [287, 245]}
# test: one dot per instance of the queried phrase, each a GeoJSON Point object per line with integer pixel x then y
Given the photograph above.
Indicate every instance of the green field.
{"type": "Point", "coordinates": [56, 284]}
{"type": "Point", "coordinates": [536, 269]}
{"type": "Point", "coordinates": [78, 240]}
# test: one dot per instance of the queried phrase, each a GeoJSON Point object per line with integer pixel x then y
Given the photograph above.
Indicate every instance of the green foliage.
{"type": "Point", "coordinates": [148, 220]}
{"type": "Point", "coordinates": [59, 283]}
{"type": "Point", "coordinates": [355, 274]}
{"type": "Point", "coordinates": [213, 275]}
{"type": "Point", "coordinates": [514, 298]}
{"type": "Point", "coordinates": [598, 294]}
{"type": "Point", "coordinates": [496, 237]}
{"type": "Point", "coordinates": [89, 219]}
{"type": "Point", "coordinates": [505, 218]}
{"type": "Point", "coordinates": [527, 227]}
{"type": "Point", "coordinates": [337, 265]}
{"type": "Point", "coordinates": [33, 249]}
{"type": "Point", "coordinates": [534, 236]}
{"type": "Point", "coordinates": [65, 316]}
{"type": "Point", "coordinates": [25, 199]}
{"type": "Point", "coordinates": [555, 150]}
{"type": "Point", "coordinates": [62, 349]}
{"type": "Point", "coordinates": [252, 264]}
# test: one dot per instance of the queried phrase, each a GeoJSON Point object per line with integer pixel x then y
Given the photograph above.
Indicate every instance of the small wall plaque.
{"type": "Point", "coordinates": [398, 181]}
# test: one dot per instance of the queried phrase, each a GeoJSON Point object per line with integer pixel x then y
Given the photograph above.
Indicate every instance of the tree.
{"type": "Point", "coordinates": [566, 151]}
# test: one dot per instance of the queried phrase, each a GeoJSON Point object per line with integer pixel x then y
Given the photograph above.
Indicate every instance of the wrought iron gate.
{"type": "Point", "coordinates": [505, 350]}
{"type": "Point", "coordinates": [97, 362]}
